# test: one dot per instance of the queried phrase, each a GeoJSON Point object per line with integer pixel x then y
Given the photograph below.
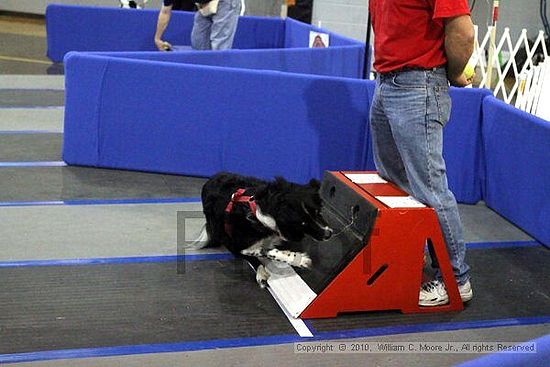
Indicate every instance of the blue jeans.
{"type": "Point", "coordinates": [216, 32]}
{"type": "Point", "coordinates": [407, 116]}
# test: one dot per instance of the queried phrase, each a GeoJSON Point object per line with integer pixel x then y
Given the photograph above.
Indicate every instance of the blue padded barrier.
{"type": "Point", "coordinates": [87, 28]}
{"type": "Point", "coordinates": [517, 182]}
{"type": "Point", "coordinates": [341, 62]}
{"type": "Point", "coordinates": [369, 162]}
{"type": "Point", "coordinates": [124, 113]}
{"type": "Point", "coordinates": [82, 100]}
{"type": "Point", "coordinates": [89, 105]}
{"type": "Point", "coordinates": [462, 144]}
{"type": "Point", "coordinates": [259, 32]}
{"type": "Point", "coordinates": [92, 28]}
{"type": "Point", "coordinates": [297, 35]}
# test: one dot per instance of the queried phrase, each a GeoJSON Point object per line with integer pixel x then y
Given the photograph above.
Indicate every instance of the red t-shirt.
{"type": "Point", "coordinates": [410, 33]}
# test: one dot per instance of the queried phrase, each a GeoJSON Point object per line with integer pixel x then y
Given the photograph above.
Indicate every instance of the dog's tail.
{"type": "Point", "coordinates": [201, 241]}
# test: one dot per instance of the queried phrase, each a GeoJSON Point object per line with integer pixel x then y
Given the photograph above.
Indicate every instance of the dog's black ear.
{"type": "Point", "coordinates": [280, 183]}
{"type": "Point", "coordinates": [315, 184]}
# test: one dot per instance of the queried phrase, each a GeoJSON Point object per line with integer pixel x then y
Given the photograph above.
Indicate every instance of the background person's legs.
{"type": "Point", "coordinates": [224, 24]}
{"type": "Point", "coordinates": [200, 35]}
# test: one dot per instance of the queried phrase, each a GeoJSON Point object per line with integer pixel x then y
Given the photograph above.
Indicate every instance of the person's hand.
{"type": "Point", "coordinates": [462, 80]}
{"type": "Point", "coordinates": [163, 45]}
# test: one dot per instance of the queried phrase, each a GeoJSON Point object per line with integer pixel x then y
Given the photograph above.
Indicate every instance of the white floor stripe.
{"type": "Point", "coordinates": [33, 164]}
{"type": "Point", "coordinates": [91, 231]}
{"type": "Point", "coordinates": [298, 324]}
{"type": "Point", "coordinates": [52, 82]}
{"type": "Point", "coordinates": [30, 107]}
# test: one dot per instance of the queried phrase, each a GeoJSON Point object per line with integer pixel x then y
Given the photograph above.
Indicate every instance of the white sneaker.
{"type": "Point", "coordinates": [434, 293]}
{"type": "Point", "coordinates": [466, 292]}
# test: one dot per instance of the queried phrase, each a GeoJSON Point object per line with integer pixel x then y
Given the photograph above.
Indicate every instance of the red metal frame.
{"type": "Point", "coordinates": [393, 255]}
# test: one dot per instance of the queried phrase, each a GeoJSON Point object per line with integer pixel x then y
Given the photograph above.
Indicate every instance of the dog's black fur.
{"type": "Point", "coordinates": [295, 208]}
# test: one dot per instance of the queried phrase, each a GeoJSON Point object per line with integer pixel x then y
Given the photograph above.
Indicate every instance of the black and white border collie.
{"type": "Point", "coordinates": [254, 219]}
{"type": "Point", "coordinates": [132, 4]}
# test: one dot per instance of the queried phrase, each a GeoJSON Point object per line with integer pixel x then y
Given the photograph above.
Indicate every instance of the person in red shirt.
{"type": "Point", "coordinates": [420, 47]}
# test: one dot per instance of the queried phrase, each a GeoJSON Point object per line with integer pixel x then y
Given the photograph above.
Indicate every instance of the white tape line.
{"type": "Point", "coordinates": [298, 324]}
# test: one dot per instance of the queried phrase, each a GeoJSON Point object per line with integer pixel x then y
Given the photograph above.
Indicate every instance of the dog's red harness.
{"type": "Point", "coordinates": [239, 197]}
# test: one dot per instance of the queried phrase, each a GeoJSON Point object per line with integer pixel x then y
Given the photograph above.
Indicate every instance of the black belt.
{"type": "Point", "coordinates": [411, 68]}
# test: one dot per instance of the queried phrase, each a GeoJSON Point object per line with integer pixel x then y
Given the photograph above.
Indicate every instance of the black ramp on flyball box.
{"type": "Point", "coordinates": [352, 218]}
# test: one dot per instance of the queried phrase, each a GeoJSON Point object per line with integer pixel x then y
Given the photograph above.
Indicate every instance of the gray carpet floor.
{"type": "Point", "coordinates": [31, 126]}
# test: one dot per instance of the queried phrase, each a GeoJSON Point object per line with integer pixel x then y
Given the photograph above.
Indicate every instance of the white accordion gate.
{"type": "Point", "coordinates": [528, 87]}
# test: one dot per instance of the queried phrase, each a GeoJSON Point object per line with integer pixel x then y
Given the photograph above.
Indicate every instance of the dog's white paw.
{"type": "Point", "coordinates": [302, 260]}
{"type": "Point", "coordinates": [252, 251]}
{"type": "Point", "coordinates": [262, 276]}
